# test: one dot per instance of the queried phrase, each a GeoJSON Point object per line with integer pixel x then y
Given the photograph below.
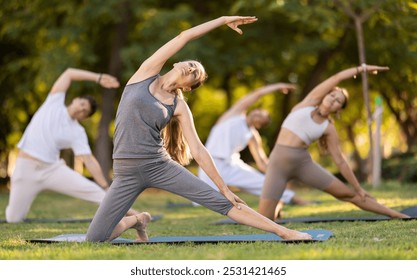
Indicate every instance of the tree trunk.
{"type": "Point", "coordinates": [104, 145]}
{"type": "Point", "coordinates": [365, 87]}
{"type": "Point", "coordinates": [225, 84]}
{"type": "Point", "coordinates": [358, 19]}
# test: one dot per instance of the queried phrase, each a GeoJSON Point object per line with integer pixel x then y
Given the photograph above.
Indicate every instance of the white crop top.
{"type": "Point", "coordinates": [301, 124]}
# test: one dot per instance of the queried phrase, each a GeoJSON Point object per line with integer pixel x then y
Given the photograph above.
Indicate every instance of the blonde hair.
{"type": "Point", "coordinates": [174, 140]}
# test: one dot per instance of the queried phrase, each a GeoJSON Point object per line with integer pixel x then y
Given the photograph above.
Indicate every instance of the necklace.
{"type": "Point", "coordinates": [320, 115]}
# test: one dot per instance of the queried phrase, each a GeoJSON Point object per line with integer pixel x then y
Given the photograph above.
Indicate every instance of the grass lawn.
{"type": "Point", "coordinates": [381, 240]}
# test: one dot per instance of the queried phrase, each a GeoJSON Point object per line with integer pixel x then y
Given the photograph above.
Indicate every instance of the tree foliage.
{"type": "Point", "coordinates": [299, 41]}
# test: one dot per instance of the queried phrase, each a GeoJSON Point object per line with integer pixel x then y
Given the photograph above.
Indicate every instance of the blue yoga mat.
{"type": "Point", "coordinates": [318, 235]}
{"type": "Point", "coordinates": [179, 205]}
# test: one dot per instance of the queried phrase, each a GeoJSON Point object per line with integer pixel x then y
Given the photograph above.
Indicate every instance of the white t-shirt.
{"type": "Point", "coordinates": [228, 138]}
{"type": "Point", "coordinates": [51, 130]}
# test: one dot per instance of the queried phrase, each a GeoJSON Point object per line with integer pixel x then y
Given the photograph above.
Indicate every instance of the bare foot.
{"type": "Point", "coordinates": [132, 212]}
{"type": "Point", "coordinates": [296, 235]}
{"type": "Point", "coordinates": [278, 210]}
{"type": "Point", "coordinates": [142, 221]}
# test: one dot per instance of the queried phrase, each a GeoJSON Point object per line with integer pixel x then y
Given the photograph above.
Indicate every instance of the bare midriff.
{"type": "Point", "coordinates": [289, 139]}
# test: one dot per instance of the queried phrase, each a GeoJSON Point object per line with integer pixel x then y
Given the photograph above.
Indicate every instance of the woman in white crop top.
{"type": "Point", "coordinates": [308, 122]}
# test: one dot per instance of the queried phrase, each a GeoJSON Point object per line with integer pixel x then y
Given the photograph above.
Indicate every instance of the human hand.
{"type": "Point", "coordinates": [364, 195]}
{"type": "Point", "coordinates": [283, 87]}
{"type": "Point", "coordinates": [371, 68]}
{"type": "Point", "coordinates": [234, 199]}
{"type": "Point", "coordinates": [108, 81]}
{"type": "Point", "coordinates": [234, 21]}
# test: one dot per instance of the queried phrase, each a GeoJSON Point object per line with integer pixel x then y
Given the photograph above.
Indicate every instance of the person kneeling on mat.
{"type": "Point", "coordinates": [144, 158]}
{"type": "Point", "coordinates": [54, 127]}
{"type": "Point", "coordinates": [307, 122]}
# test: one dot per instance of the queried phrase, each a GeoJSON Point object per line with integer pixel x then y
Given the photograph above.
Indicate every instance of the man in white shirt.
{"type": "Point", "coordinates": [54, 127]}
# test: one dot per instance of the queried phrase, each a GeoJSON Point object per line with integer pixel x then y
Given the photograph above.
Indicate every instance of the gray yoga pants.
{"type": "Point", "coordinates": [287, 163]}
{"type": "Point", "coordinates": [133, 176]}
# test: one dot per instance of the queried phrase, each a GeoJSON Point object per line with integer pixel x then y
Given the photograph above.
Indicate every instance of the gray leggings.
{"type": "Point", "coordinates": [133, 176]}
{"type": "Point", "coordinates": [287, 163]}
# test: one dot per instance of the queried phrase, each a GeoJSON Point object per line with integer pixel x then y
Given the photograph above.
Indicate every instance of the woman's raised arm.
{"type": "Point", "coordinates": [317, 94]}
{"type": "Point", "coordinates": [154, 63]}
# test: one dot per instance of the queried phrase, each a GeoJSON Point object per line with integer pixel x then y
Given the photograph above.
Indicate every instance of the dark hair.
{"type": "Point", "coordinates": [93, 104]}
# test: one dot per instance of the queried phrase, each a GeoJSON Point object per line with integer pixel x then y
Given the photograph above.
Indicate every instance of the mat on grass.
{"type": "Point", "coordinates": [317, 234]}
{"type": "Point", "coordinates": [410, 211]}
{"type": "Point", "coordinates": [69, 220]}
{"type": "Point", "coordinates": [179, 205]}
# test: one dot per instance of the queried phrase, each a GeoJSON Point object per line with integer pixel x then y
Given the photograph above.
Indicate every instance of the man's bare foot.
{"type": "Point", "coordinates": [142, 222]}
{"type": "Point", "coordinates": [296, 235]}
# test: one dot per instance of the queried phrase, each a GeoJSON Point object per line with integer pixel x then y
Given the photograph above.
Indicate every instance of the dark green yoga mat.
{"type": "Point", "coordinates": [410, 211]}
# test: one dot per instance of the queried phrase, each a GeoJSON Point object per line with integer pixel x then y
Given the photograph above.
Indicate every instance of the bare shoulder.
{"type": "Point", "coordinates": [182, 108]}
{"type": "Point", "coordinates": [298, 106]}
{"type": "Point", "coordinates": [331, 131]}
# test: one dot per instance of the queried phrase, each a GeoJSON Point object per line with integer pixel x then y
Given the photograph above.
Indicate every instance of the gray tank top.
{"type": "Point", "coordinates": [140, 118]}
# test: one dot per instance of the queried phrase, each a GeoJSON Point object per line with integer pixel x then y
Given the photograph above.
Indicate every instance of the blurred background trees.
{"type": "Point", "coordinates": [298, 41]}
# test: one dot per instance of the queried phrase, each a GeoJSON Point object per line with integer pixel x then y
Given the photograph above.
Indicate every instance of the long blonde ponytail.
{"type": "Point", "coordinates": [174, 140]}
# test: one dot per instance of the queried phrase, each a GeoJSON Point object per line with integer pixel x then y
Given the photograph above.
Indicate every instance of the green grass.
{"type": "Point", "coordinates": [387, 240]}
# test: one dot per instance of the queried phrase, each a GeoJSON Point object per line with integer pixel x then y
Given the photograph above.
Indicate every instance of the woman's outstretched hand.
{"type": "Point", "coordinates": [283, 87]}
{"type": "Point", "coordinates": [374, 69]}
{"type": "Point", "coordinates": [234, 21]}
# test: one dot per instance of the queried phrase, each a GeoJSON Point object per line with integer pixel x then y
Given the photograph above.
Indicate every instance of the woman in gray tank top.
{"type": "Point", "coordinates": [308, 122]}
{"type": "Point", "coordinates": [153, 126]}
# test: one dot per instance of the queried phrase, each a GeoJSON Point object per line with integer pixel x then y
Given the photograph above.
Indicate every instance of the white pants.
{"type": "Point", "coordinates": [241, 175]}
{"type": "Point", "coordinates": [30, 177]}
